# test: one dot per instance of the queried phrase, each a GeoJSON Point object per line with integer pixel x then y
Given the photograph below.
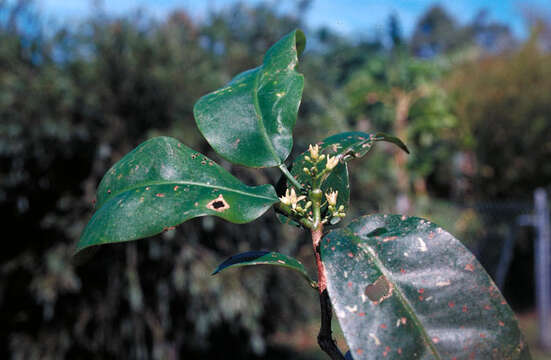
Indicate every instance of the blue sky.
{"type": "Point", "coordinates": [345, 16]}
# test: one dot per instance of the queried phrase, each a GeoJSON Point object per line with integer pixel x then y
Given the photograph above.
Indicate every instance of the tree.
{"type": "Point", "coordinates": [438, 33]}
{"type": "Point", "coordinates": [402, 93]}
{"type": "Point", "coordinates": [504, 101]}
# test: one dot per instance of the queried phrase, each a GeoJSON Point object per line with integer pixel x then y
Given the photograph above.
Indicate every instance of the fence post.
{"type": "Point", "coordinates": [543, 266]}
{"type": "Point", "coordinates": [505, 257]}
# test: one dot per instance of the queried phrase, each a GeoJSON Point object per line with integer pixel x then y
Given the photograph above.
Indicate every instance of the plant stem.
{"type": "Point", "coordinates": [290, 177]}
{"type": "Point", "coordinates": [316, 239]}
{"type": "Point", "coordinates": [325, 338]}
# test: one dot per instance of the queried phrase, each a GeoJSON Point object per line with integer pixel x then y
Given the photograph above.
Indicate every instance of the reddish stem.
{"type": "Point", "coordinates": [316, 239]}
{"type": "Point", "coordinates": [325, 338]}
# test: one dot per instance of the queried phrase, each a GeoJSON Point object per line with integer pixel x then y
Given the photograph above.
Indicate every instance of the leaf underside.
{"type": "Point", "coordinates": [163, 183]}
{"type": "Point", "coordinates": [264, 258]}
{"type": "Point", "coordinates": [403, 288]}
{"type": "Point", "coordinates": [250, 120]}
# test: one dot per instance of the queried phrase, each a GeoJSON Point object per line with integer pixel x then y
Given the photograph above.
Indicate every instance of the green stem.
{"type": "Point", "coordinates": [316, 196]}
{"type": "Point", "coordinates": [290, 177]}
{"type": "Point", "coordinates": [286, 210]}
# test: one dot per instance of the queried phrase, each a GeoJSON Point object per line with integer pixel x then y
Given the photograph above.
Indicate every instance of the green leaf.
{"type": "Point", "coordinates": [346, 146]}
{"type": "Point", "coordinates": [355, 144]}
{"type": "Point", "coordinates": [264, 258]}
{"type": "Point", "coordinates": [250, 120]}
{"type": "Point", "coordinates": [404, 288]}
{"type": "Point", "coordinates": [391, 139]}
{"type": "Point", "coordinates": [286, 220]}
{"type": "Point", "coordinates": [163, 183]}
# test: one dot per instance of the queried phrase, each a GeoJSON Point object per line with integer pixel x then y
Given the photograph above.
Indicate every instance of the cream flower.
{"type": "Point", "coordinates": [291, 198]}
{"type": "Point", "coordinates": [332, 198]}
{"type": "Point", "coordinates": [314, 151]}
{"type": "Point", "coordinates": [331, 162]}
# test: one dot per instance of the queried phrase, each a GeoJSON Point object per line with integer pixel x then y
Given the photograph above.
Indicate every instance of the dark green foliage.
{"type": "Point", "coordinates": [402, 286]}
{"type": "Point", "coordinates": [497, 99]}
{"type": "Point", "coordinates": [115, 83]}
{"type": "Point", "coordinates": [250, 121]}
{"type": "Point", "coordinates": [163, 183]}
{"type": "Point", "coordinates": [264, 258]}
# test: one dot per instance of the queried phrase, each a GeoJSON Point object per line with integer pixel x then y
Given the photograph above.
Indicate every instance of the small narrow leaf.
{"type": "Point", "coordinates": [403, 288]}
{"type": "Point", "coordinates": [391, 139]}
{"type": "Point", "coordinates": [163, 183]}
{"type": "Point", "coordinates": [250, 121]}
{"type": "Point", "coordinates": [264, 258]}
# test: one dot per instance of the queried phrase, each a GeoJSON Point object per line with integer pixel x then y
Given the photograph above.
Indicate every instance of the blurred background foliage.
{"type": "Point", "coordinates": [472, 102]}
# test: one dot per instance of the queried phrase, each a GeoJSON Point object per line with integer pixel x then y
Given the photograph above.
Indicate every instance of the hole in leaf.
{"type": "Point", "coordinates": [219, 204]}
{"type": "Point", "coordinates": [380, 290]}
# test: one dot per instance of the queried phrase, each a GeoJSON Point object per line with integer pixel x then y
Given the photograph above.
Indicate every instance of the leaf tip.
{"type": "Point", "coordinates": [392, 139]}
{"type": "Point", "coordinates": [78, 248]}
{"type": "Point", "coordinates": [300, 41]}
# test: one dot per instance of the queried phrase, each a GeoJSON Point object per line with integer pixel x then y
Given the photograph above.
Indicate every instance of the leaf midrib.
{"type": "Point", "coordinates": [183, 182]}
{"type": "Point", "coordinates": [407, 305]}
{"type": "Point", "coordinates": [260, 118]}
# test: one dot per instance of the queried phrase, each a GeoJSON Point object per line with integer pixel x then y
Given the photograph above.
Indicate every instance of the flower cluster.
{"type": "Point", "coordinates": [315, 158]}
{"type": "Point", "coordinates": [309, 207]}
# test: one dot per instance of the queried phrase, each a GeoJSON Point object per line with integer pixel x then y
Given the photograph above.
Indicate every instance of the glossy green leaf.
{"type": "Point", "coordinates": [163, 183]}
{"type": "Point", "coordinates": [403, 288]}
{"type": "Point", "coordinates": [356, 144]}
{"type": "Point", "coordinates": [286, 220]}
{"type": "Point", "coordinates": [346, 146]}
{"type": "Point", "coordinates": [264, 258]}
{"type": "Point", "coordinates": [250, 120]}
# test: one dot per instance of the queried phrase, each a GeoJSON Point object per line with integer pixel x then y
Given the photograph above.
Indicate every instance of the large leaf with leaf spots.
{"type": "Point", "coordinates": [250, 120]}
{"type": "Point", "coordinates": [403, 288]}
{"type": "Point", "coordinates": [163, 183]}
{"type": "Point", "coordinates": [264, 258]}
{"type": "Point", "coordinates": [345, 146]}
